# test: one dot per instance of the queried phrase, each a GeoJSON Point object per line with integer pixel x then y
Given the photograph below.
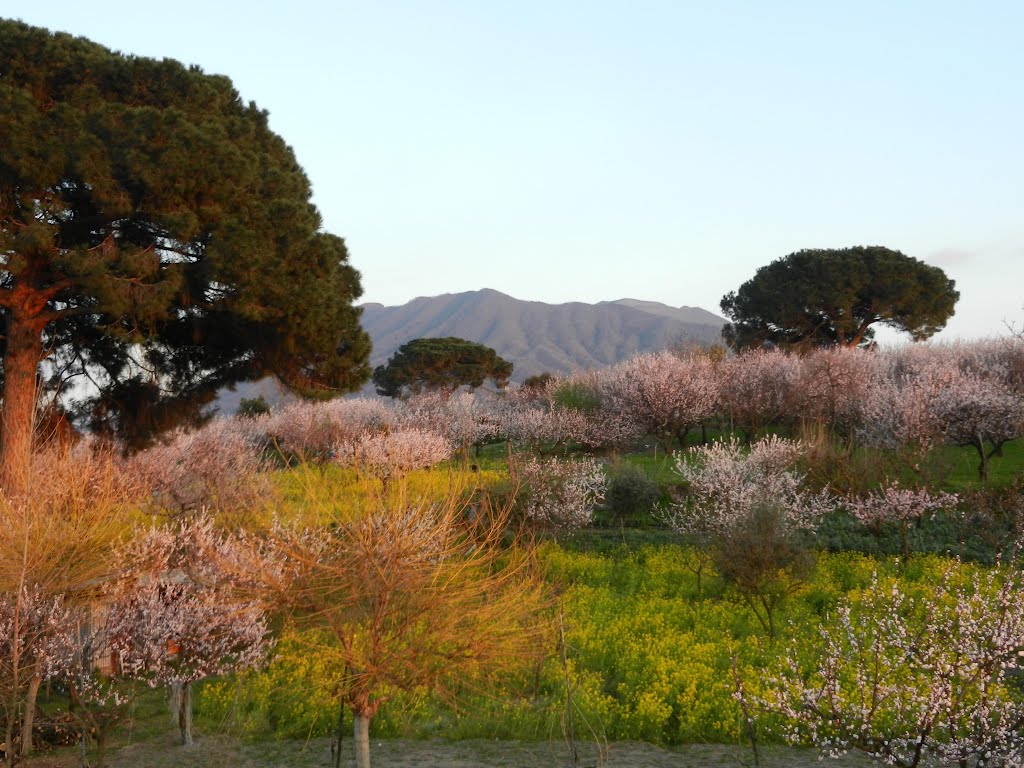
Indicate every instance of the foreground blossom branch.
{"type": "Point", "coordinates": [911, 679]}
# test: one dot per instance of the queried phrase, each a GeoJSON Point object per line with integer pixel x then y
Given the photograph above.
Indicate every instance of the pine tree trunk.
{"type": "Point", "coordinates": [362, 740]}
{"type": "Point", "coordinates": [21, 364]}
{"type": "Point", "coordinates": [29, 717]}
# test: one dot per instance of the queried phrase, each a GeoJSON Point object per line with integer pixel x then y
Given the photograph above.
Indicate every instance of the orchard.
{"type": "Point", "coordinates": [459, 563]}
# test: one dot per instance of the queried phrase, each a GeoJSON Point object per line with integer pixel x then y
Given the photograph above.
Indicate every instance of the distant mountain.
{"type": "Point", "coordinates": [535, 337]}
{"type": "Point", "coordinates": [538, 337]}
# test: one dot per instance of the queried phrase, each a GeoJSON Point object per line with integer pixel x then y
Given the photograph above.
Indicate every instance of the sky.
{"type": "Point", "coordinates": [580, 150]}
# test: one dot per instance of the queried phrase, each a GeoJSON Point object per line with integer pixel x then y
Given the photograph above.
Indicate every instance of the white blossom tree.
{"type": "Point", "coordinates": [559, 494]}
{"type": "Point", "coordinates": [749, 509]}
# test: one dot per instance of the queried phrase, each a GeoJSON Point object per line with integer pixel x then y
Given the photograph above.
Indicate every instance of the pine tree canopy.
{"type": "Point", "coordinates": [158, 239]}
{"type": "Point", "coordinates": [445, 364]}
{"type": "Point", "coordinates": [823, 297]}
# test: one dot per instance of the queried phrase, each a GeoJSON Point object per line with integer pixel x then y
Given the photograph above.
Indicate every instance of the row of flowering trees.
{"type": "Point", "coordinates": [909, 398]}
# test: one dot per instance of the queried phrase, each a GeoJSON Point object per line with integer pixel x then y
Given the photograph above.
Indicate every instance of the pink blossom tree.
{"type": "Point", "coordinates": [899, 507]}
{"type": "Point", "coordinates": [664, 394]}
{"type": "Point", "coordinates": [310, 430]}
{"type": "Point", "coordinates": [392, 453]}
{"type": "Point", "coordinates": [464, 418]}
{"type": "Point", "coordinates": [897, 413]}
{"type": "Point", "coordinates": [533, 425]}
{"type": "Point", "coordinates": [756, 388]}
{"type": "Point", "coordinates": [832, 384]}
{"type": "Point", "coordinates": [36, 641]}
{"type": "Point", "coordinates": [962, 395]}
{"type": "Point", "coordinates": [978, 412]}
{"type": "Point", "coordinates": [218, 466]}
{"type": "Point", "coordinates": [173, 619]}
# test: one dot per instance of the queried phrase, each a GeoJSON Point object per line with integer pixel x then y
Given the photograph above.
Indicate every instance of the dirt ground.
{"type": "Point", "coordinates": [216, 752]}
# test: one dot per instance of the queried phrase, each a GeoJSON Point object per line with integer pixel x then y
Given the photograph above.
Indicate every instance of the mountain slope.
{"type": "Point", "coordinates": [539, 337]}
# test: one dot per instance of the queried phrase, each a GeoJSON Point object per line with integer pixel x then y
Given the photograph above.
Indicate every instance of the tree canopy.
{"type": "Point", "coordinates": [158, 240]}
{"type": "Point", "coordinates": [444, 363]}
{"type": "Point", "coordinates": [824, 297]}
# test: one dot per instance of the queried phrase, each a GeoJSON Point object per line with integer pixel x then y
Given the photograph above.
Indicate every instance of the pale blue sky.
{"type": "Point", "coordinates": [564, 151]}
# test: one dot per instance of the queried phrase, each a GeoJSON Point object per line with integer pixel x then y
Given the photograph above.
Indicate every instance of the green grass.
{"type": "Point", "coordinates": [963, 466]}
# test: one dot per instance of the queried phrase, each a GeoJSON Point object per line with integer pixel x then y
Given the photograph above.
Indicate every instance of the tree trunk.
{"type": "Point", "coordinates": [29, 716]}
{"type": "Point", "coordinates": [337, 741]}
{"type": "Point", "coordinates": [979, 446]}
{"type": "Point", "coordinates": [683, 435]}
{"type": "Point", "coordinates": [9, 737]}
{"type": "Point", "coordinates": [362, 740]}
{"type": "Point", "coordinates": [21, 364]}
{"type": "Point", "coordinates": [181, 702]}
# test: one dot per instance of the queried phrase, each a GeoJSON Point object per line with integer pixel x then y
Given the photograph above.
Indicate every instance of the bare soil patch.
{"type": "Point", "coordinates": [222, 752]}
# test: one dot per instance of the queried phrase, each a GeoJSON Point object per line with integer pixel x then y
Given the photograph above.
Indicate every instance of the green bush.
{"type": "Point", "coordinates": [578, 396]}
{"type": "Point", "coordinates": [630, 497]}
{"type": "Point", "coordinates": [251, 407]}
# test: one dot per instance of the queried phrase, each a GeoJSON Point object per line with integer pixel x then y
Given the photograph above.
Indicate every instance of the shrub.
{"type": "Point", "coordinates": [631, 494]}
{"type": "Point", "coordinates": [251, 407]}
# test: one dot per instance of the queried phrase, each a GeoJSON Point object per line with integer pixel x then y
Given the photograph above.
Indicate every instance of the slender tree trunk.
{"type": "Point", "coordinates": [9, 738]}
{"type": "Point", "coordinates": [362, 739]}
{"type": "Point", "coordinates": [21, 364]}
{"type": "Point", "coordinates": [979, 445]}
{"type": "Point", "coordinates": [181, 705]}
{"type": "Point", "coordinates": [29, 716]}
{"type": "Point", "coordinates": [570, 715]}
{"type": "Point", "coordinates": [336, 746]}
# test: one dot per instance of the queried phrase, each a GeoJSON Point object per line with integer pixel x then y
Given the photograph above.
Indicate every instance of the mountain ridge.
{"type": "Point", "coordinates": [533, 335]}
{"type": "Point", "coordinates": [536, 336]}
